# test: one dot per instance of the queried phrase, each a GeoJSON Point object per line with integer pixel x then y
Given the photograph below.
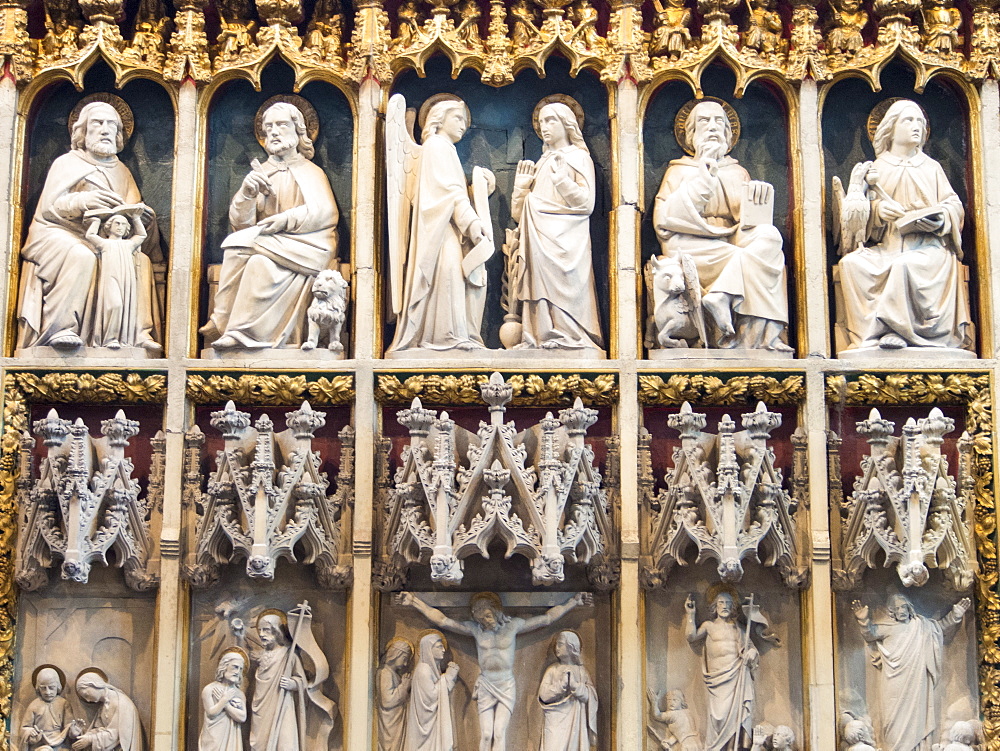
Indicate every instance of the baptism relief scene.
{"type": "Point", "coordinates": [499, 375]}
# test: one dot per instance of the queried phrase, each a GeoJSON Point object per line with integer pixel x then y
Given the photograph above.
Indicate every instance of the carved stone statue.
{"type": "Point", "coordinates": [550, 272]}
{"type": "Point", "coordinates": [681, 732]}
{"type": "Point", "coordinates": [858, 736]}
{"type": "Point", "coordinates": [960, 737]}
{"type": "Point", "coordinates": [899, 228]}
{"type": "Point", "coordinates": [568, 699]}
{"type": "Point", "coordinates": [289, 711]}
{"type": "Point", "coordinates": [429, 724]}
{"type": "Point", "coordinates": [782, 738]}
{"type": "Point", "coordinates": [225, 705]}
{"type": "Point", "coordinates": [47, 719]}
{"type": "Point", "coordinates": [709, 210]}
{"type": "Point", "coordinates": [115, 726]}
{"type": "Point", "coordinates": [62, 304]}
{"type": "Point", "coordinates": [284, 219]}
{"type": "Point", "coordinates": [730, 666]}
{"type": "Point", "coordinates": [439, 239]}
{"type": "Point", "coordinates": [908, 650]}
{"type": "Point", "coordinates": [672, 32]}
{"type": "Point", "coordinates": [495, 634]}
{"type": "Point", "coordinates": [393, 686]}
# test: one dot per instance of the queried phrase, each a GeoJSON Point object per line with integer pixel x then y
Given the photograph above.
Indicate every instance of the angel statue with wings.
{"type": "Point", "coordinates": [439, 237]}
{"type": "Point", "coordinates": [899, 228]}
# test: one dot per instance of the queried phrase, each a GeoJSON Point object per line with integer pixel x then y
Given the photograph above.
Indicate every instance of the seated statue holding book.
{"type": "Point", "coordinates": [718, 222]}
{"type": "Point", "coordinates": [899, 228]}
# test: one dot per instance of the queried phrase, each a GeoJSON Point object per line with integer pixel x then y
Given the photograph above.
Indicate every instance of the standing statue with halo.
{"type": "Point", "coordinates": [439, 237]}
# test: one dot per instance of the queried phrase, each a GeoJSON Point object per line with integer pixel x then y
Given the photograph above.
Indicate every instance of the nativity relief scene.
{"type": "Point", "coordinates": [499, 375]}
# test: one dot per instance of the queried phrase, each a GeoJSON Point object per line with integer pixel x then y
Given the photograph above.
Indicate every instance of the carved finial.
{"type": "Point", "coordinates": [264, 424]}
{"type": "Point", "coordinates": [304, 422]}
{"type": "Point", "coordinates": [497, 392]}
{"type": "Point", "coordinates": [230, 421]}
{"type": "Point", "coordinates": [935, 426]}
{"type": "Point", "coordinates": [416, 419]}
{"type": "Point", "coordinates": [760, 422]}
{"type": "Point", "coordinates": [877, 430]}
{"type": "Point", "coordinates": [119, 429]}
{"type": "Point", "coordinates": [687, 422]}
{"type": "Point", "coordinates": [577, 419]}
{"type": "Point", "coordinates": [52, 429]}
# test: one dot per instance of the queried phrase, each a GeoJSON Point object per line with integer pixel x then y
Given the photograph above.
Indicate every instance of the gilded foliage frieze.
{"type": "Point", "coordinates": [20, 390]}
{"type": "Point", "coordinates": [270, 390]}
{"type": "Point", "coordinates": [686, 37]}
{"type": "Point", "coordinates": [529, 390]}
{"type": "Point", "coordinates": [973, 392]}
{"type": "Point", "coordinates": [706, 390]}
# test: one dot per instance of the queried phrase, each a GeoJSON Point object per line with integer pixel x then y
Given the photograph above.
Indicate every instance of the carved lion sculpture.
{"type": "Point", "coordinates": [327, 312]}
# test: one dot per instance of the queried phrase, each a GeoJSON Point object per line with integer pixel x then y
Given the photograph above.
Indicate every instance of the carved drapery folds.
{"type": "Point", "coordinates": [724, 500]}
{"type": "Point", "coordinates": [906, 508]}
{"type": "Point", "coordinates": [267, 498]}
{"type": "Point", "coordinates": [538, 492]}
{"type": "Point", "coordinates": [84, 503]}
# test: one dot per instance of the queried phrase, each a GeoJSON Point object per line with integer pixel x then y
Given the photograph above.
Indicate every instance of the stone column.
{"type": "Point", "coordinates": [8, 137]}
{"type": "Point", "coordinates": [810, 200]}
{"type": "Point", "coordinates": [989, 123]}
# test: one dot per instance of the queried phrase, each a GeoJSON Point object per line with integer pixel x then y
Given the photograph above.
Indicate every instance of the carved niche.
{"type": "Point", "coordinates": [537, 491]}
{"type": "Point", "coordinates": [907, 508]}
{"type": "Point", "coordinates": [267, 498]}
{"type": "Point", "coordinates": [724, 500]}
{"type": "Point", "coordinates": [85, 504]}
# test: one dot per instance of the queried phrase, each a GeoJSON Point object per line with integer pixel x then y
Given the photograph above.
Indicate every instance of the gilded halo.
{"type": "Point", "coordinates": [123, 110]}
{"type": "Point", "coordinates": [879, 110]}
{"type": "Point", "coordinates": [40, 668]}
{"type": "Point", "coordinates": [561, 99]}
{"type": "Point", "coordinates": [680, 122]}
{"type": "Point", "coordinates": [425, 108]}
{"type": "Point", "coordinates": [303, 105]}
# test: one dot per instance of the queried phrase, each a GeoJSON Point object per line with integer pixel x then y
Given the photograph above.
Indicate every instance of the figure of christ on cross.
{"type": "Point", "coordinates": [495, 634]}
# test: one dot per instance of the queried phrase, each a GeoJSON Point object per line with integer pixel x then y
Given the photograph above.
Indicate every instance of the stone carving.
{"type": "Point", "coordinates": [84, 503]}
{"type": "Point", "coordinates": [289, 709]}
{"type": "Point", "coordinates": [115, 725]}
{"type": "Point", "coordinates": [568, 699]}
{"type": "Point", "coordinates": [550, 298]}
{"type": "Point", "coordinates": [672, 33]}
{"type": "Point", "coordinates": [859, 736]}
{"type": "Point", "coordinates": [537, 491]}
{"type": "Point", "coordinates": [495, 634]}
{"type": "Point", "coordinates": [680, 731]}
{"type": "Point", "coordinates": [960, 737]}
{"type": "Point", "coordinates": [268, 498]}
{"type": "Point", "coordinates": [907, 508]}
{"type": "Point", "coordinates": [709, 210]}
{"type": "Point", "coordinates": [225, 705]}
{"type": "Point", "coordinates": [393, 686]}
{"type": "Point", "coordinates": [731, 663]}
{"type": "Point", "coordinates": [724, 500]}
{"type": "Point", "coordinates": [781, 738]}
{"type": "Point", "coordinates": [64, 298]}
{"type": "Point", "coordinates": [429, 724]}
{"type": "Point", "coordinates": [284, 219]}
{"type": "Point", "coordinates": [899, 231]}
{"type": "Point", "coordinates": [328, 311]}
{"type": "Point", "coordinates": [439, 238]}
{"type": "Point", "coordinates": [47, 719]}
{"type": "Point", "coordinates": [674, 298]}
{"type": "Point", "coordinates": [907, 651]}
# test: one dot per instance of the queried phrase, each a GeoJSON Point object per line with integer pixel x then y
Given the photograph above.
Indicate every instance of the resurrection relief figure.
{"type": "Point", "coordinates": [568, 699]}
{"type": "Point", "coordinates": [495, 634]}
{"type": "Point", "coordinates": [58, 306]}
{"type": "Point", "coordinates": [719, 221]}
{"type": "Point", "coordinates": [47, 719]}
{"type": "Point", "coordinates": [681, 731]}
{"type": "Point", "coordinates": [429, 724]}
{"type": "Point", "coordinates": [899, 227]}
{"type": "Point", "coordinates": [730, 667]}
{"type": "Point", "coordinates": [550, 267]}
{"type": "Point", "coordinates": [225, 705]}
{"type": "Point", "coordinates": [439, 241]}
{"type": "Point", "coordinates": [908, 652]}
{"type": "Point", "coordinates": [284, 219]}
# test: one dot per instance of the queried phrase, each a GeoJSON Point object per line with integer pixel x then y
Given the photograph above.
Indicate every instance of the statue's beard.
{"type": "Point", "coordinates": [710, 148]}
{"type": "Point", "coordinates": [100, 148]}
{"type": "Point", "coordinates": [281, 144]}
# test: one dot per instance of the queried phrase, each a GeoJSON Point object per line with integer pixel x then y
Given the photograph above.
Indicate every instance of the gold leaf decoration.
{"type": "Point", "coordinates": [529, 391]}
{"type": "Point", "coordinates": [270, 390]}
{"type": "Point", "coordinates": [77, 388]}
{"type": "Point", "coordinates": [711, 390]}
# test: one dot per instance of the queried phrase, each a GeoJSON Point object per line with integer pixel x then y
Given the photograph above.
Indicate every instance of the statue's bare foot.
{"type": "Point", "coordinates": [550, 345]}
{"type": "Point", "coordinates": [225, 342]}
{"type": "Point", "coordinates": [778, 346]}
{"type": "Point", "coordinates": [150, 345]}
{"type": "Point", "coordinates": [66, 341]}
{"type": "Point", "coordinates": [892, 341]}
{"type": "Point", "coordinates": [466, 347]}
{"type": "Point", "coordinates": [114, 344]}
{"type": "Point", "coordinates": [210, 330]}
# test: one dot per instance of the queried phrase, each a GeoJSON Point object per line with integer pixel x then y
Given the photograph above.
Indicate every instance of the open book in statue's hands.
{"type": "Point", "coordinates": [907, 223]}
